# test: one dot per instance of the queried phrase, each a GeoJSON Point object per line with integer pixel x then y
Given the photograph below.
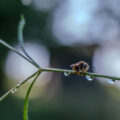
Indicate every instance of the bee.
{"type": "Point", "coordinates": [80, 66]}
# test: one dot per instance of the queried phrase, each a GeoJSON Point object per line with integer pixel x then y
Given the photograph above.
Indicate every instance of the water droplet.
{"type": "Point", "coordinates": [13, 91]}
{"type": "Point", "coordinates": [66, 73]}
{"type": "Point", "coordinates": [89, 78]}
{"type": "Point", "coordinates": [18, 84]}
{"type": "Point", "coordinates": [111, 81]}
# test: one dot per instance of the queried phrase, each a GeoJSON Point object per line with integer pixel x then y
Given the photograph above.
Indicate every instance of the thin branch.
{"type": "Point", "coordinates": [56, 70]}
{"type": "Point", "coordinates": [21, 41]}
{"type": "Point", "coordinates": [16, 51]}
{"type": "Point", "coordinates": [17, 86]}
{"type": "Point", "coordinates": [93, 75]}
{"type": "Point", "coordinates": [25, 110]}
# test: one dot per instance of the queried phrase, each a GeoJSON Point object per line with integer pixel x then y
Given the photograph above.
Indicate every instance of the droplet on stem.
{"type": "Point", "coordinates": [13, 91]}
{"type": "Point", "coordinates": [89, 78]}
{"type": "Point", "coordinates": [66, 74]}
{"type": "Point", "coordinates": [18, 84]}
{"type": "Point", "coordinates": [111, 81]}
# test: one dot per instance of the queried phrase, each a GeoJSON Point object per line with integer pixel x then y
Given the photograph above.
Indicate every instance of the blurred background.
{"type": "Point", "coordinates": [57, 34]}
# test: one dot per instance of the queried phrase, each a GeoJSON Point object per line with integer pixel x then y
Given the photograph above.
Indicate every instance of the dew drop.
{"type": "Point", "coordinates": [18, 84]}
{"type": "Point", "coordinates": [110, 81]}
{"type": "Point", "coordinates": [13, 91]}
{"type": "Point", "coordinates": [89, 78]}
{"type": "Point", "coordinates": [66, 74]}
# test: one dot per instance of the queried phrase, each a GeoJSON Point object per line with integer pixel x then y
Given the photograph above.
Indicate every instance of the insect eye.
{"type": "Point", "coordinates": [77, 68]}
{"type": "Point", "coordinates": [84, 65]}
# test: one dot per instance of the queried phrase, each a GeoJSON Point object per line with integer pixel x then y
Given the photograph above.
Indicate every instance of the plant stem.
{"type": "Point", "coordinates": [14, 50]}
{"type": "Point", "coordinates": [63, 71]}
{"type": "Point", "coordinates": [21, 42]}
{"type": "Point", "coordinates": [25, 111]}
{"type": "Point", "coordinates": [57, 70]}
{"type": "Point", "coordinates": [17, 86]}
{"type": "Point", "coordinates": [80, 73]}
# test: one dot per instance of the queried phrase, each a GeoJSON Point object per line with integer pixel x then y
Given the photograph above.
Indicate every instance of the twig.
{"type": "Point", "coordinates": [21, 42]}
{"type": "Point", "coordinates": [25, 110]}
{"type": "Point", "coordinates": [17, 86]}
{"type": "Point", "coordinates": [50, 70]}
{"type": "Point", "coordinates": [16, 51]}
{"type": "Point", "coordinates": [93, 75]}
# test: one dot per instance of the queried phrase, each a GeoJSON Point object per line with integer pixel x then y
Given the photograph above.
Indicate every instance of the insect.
{"type": "Point", "coordinates": [80, 66]}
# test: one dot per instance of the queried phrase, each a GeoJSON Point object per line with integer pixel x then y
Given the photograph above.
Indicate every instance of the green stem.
{"type": "Point", "coordinates": [21, 42]}
{"type": "Point", "coordinates": [57, 70]}
{"type": "Point", "coordinates": [14, 50]}
{"type": "Point", "coordinates": [80, 73]}
{"type": "Point", "coordinates": [25, 111]}
{"type": "Point", "coordinates": [17, 86]}
{"type": "Point", "coordinates": [63, 71]}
